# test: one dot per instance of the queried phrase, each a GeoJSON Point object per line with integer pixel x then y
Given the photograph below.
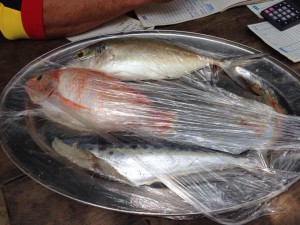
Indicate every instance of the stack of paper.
{"type": "Point", "coordinates": [178, 11]}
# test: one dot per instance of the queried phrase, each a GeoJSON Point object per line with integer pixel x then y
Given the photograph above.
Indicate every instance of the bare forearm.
{"type": "Point", "coordinates": [68, 17]}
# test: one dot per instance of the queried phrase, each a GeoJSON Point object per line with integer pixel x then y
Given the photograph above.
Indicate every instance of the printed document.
{"type": "Point", "coordinates": [179, 11]}
{"type": "Point", "coordinates": [286, 42]}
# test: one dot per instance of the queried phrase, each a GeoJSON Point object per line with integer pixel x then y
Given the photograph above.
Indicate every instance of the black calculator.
{"type": "Point", "coordinates": [283, 15]}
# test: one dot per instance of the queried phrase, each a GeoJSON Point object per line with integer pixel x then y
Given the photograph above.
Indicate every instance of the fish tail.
{"type": "Point", "coordinates": [246, 58]}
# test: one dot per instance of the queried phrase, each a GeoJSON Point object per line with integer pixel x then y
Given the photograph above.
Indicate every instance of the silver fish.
{"type": "Point", "coordinates": [137, 166]}
{"type": "Point", "coordinates": [261, 88]}
{"type": "Point", "coordinates": [150, 59]}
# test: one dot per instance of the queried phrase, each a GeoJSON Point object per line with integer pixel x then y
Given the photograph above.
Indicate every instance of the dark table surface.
{"type": "Point", "coordinates": [23, 201]}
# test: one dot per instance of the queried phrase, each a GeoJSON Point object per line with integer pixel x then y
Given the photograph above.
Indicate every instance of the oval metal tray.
{"type": "Point", "coordinates": [77, 184]}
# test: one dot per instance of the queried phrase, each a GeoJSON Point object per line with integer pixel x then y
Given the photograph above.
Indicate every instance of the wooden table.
{"type": "Point", "coordinates": [24, 202]}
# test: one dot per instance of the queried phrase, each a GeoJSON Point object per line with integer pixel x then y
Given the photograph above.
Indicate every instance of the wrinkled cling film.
{"type": "Point", "coordinates": [158, 120]}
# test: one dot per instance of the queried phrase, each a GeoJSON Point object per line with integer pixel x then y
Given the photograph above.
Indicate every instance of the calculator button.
{"type": "Point", "coordinates": [288, 16]}
{"type": "Point", "coordinates": [293, 14]}
{"type": "Point", "coordinates": [284, 13]}
{"type": "Point", "coordinates": [284, 8]}
{"type": "Point", "coordinates": [271, 9]}
{"type": "Point", "coordinates": [267, 11]}
{"type": "Point", "coordinates": [288, 11]}
{"type": "Point", "coordinates": [284, 19]}
{"type": "Point", "coordinates": [271, 14]}
{"type": "Point", "coordinates": [275, 12]}
{"type": "Point", "coordinates": [279, 15]}
{"type": "Point", "coordinates": [275, 17]}
{"type": "Point", "coordinates": [279, 10]}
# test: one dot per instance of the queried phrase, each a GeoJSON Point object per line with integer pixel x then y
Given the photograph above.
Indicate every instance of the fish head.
{"type": "Point", "coordinates": [90, 53]}
{"type": "Point", "coordinates": [40, 87]}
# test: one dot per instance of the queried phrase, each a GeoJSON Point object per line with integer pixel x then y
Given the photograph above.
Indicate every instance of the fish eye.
{"type": "Point", "coordinates": [39, 77]}
{"type": "Point", "coordinates": [80, 54]}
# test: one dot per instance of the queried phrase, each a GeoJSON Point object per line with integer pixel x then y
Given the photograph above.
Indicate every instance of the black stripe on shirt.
{"type": "Point", "coordinates": [13, 4]}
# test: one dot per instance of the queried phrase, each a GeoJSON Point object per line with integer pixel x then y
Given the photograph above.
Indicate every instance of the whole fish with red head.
{"type": "Point", "coordinates": [87, 100]}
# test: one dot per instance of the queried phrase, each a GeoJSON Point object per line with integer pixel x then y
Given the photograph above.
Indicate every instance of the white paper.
{"type": "Point", "coordinates": [120, 24]}
{"type": "Point", "coordinates": [173, 12]}
{"type": "Point", "coordinates": [257, 8]}
{"type": "Point", "coordinates": [178, 11]}
{"type": "Point", "coordinates": [286, 42]}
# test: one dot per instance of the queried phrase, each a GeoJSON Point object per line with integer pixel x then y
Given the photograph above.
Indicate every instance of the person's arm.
{"type": "Point", "coordinates": [40, 19]}
{"type": "Point", "coordinates": [69, 17]}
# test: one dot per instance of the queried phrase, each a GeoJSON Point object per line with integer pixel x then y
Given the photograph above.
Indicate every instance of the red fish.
{"type": "Point", "coordinates": [89, 100]}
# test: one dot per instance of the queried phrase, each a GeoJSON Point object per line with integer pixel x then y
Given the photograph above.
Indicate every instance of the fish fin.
{"type": "Point", "coordinates": [230, 64]}
{"type": "Point", "coordinates": [245, 58]}
{"type": "Point", "coordinates": [69, 104]}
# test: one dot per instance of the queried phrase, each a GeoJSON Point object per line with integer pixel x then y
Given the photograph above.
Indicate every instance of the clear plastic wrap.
{"type": "Point", "coordinates": [151, 115]}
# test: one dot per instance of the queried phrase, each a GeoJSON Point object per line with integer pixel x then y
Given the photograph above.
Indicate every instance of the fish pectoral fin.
{"type": "Point", "coordinates": [71, 105]}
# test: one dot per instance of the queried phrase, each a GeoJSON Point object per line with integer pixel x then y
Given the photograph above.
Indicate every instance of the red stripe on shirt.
{"type": "Point", "coordinates": [32, 18]}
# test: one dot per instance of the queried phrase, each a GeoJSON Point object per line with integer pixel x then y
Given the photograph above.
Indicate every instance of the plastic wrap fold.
{"type": "Point", "coordinates": [151, 114]}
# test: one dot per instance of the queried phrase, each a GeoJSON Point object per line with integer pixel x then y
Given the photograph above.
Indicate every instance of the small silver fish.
{"type": "Point", "coordinates": [135, 165]}
{"type": "Point", "coordinates": [139, 59]}
{"type": "Point", "coordinates": [261, 88]}
{"type": "Point", "coordinates": [149, 59]}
